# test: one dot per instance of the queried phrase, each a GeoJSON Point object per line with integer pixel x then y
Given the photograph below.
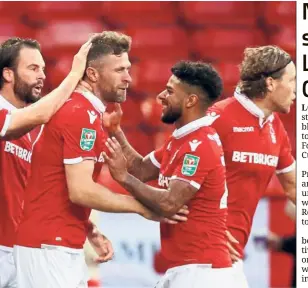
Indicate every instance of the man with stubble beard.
{"type": "Point", "coordinates": [67, 160]}
{"type": "Point", "coordinates": [21, 81]}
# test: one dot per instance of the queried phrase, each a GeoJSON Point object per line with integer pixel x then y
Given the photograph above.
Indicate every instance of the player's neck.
{"type": "Point", "coordinates": [264, 105]}
{"type": "Point", "coordinates": [85, 86]}
{"type": "Point", "coordinates": [12, 98]}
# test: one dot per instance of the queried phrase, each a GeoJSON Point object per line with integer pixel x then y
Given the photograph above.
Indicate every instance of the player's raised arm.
{"type": "Point", "coordinates": [140, 167]}
{"type": "Point", "coordinates": [21, 121]}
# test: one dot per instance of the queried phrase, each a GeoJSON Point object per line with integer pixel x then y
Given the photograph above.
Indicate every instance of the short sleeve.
{"type": "Point", "coordinates": [156, 156]}
{"type": "Point", "coordinates": [80, 137]}
{"type": "Point", "coordinates": [193, 167]}
{"type": "Point", "coordinates": [5, 120]}
{"type": "Point", "coordinates": [286, 162]}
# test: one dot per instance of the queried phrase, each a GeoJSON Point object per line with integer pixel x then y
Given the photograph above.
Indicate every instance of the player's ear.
{"type": "Point", "coordinates": [92, 74]}
{"type": "Point", "coordinates": [270, 84]}
{"type": "Point", "coordinates": [8, 75]}
{"type": "Point", "coordinates": [191, 100]}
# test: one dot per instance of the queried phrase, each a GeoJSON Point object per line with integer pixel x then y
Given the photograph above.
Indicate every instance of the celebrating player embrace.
{"type": "Point", "coordinates": [190, 170]}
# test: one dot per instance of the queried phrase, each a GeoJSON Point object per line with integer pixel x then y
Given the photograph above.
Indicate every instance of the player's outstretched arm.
{"type": "Point", "coordinates": [85, 192]}
{"type": "Point", "coordinates": [288, 182]}
{"type": "Point", "coordinates": [137, 165]}
{"type": "Point", "coordinates": [23, 120]}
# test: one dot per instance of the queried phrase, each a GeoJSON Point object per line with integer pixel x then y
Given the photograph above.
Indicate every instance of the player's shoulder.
{"type": "Point", "coordinates": [75, 106]}
{"type": "Point", "coordinates": [77, 103]}
{"type": "Point", "coordinates": [204, 139]}
{"type": "Point", "coordinates": [223, 106]}
{"type": "Point", "coordinates": [222, 112]}
{"type": "Point", "coordinates": [77, 109]}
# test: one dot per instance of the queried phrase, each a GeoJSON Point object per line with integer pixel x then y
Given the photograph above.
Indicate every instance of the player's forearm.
{"type": "Point", "coordinates": [157, 200]}
{"type": "Point", "coordinates": [288, 182]}
{"type": "Point", "coordinates": [291, 194]}
{"type": "Point", "coordinates": [24, 120]}
{"type": "Point", "coordinates": [97, 197]}
{"type": "Point", "coordinates": [134, 159]}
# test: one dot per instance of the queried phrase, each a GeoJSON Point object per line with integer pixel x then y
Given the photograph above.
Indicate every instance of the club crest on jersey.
{"type": "Point", "coordinates": [87, 139]}
{"type": "Point", "coordinates": [190, 164]}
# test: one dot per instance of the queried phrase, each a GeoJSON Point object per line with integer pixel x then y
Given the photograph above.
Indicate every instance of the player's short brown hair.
{"type": "Point", "coordinates": [9, 53]}
{"type": "Point", "coordinates": [108, 42]}
{"type": "Point", "coordinates": [258, 64]}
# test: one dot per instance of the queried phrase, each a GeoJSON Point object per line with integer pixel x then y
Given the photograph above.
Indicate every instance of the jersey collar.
{"type": "Point", "coordinates": [252, 108]}
{"type": "Point", "coordinates": [4, 104]}
{"type": "Point", "coordinates": [95, 101]}
{"type": "Point", "coordinates": [193, 126]}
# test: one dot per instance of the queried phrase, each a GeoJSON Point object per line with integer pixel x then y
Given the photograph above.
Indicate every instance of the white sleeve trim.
{"type": "Point", "coordinates": [192, 183]}
{"type": "Point", "coordinates": [287, 169]}
{"type": "Point", "coordinates": [73, 160]}
{"type": "Point", "coordinates": [153, 159]}
{"type": "Point", "coordinates": [78, 160]}
{"type": "Point", "coordinates": [7, 122]}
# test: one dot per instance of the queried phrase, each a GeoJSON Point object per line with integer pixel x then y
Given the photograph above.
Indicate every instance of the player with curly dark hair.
{"type": "Point", "coordinates": [190, 170]}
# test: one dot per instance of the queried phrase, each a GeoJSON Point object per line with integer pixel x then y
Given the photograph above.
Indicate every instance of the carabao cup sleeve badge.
{"type": "Point", "coordinates": [87, 139]}
{"type": "Point", "coordinates": [190, 164]}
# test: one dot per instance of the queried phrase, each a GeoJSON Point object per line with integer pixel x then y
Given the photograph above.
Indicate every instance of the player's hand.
{"type": "Point", "coordinates": [80, 59]}
{"type": "Point", "coordinates": [101, 244]}
{"type": "Point", "coordinates": [180, 216]}
{"type": "Point", "coordinates": [112, 120]}
{"type": "Point", "coordinates": [116, 160]}
{"type": "Point", "coordinates": [273, 241]}
{"type": "Point", "coordinates": [235, 256]}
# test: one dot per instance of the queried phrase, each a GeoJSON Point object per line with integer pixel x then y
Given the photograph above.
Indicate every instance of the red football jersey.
{"type": "Point", "coordinates": [75, 133]}
{"type": "Point", "coordinates": [193, 154]}
{"type": "Point", "coordinates": [15, 164]}
{"type": "Point", "coordinates": [254, 149]}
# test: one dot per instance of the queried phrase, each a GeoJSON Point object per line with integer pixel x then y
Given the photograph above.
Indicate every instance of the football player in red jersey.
{"type": "Point", "coordinates": [190, 170]}
{"type": "Point", "coordinates": [66, 162]}
{"type": "Point", "coordinates": [255, 142]}
{"type": "Point", "coordinates": [22, 78]}
{"type": "Point", "coordinates": [26, 80]}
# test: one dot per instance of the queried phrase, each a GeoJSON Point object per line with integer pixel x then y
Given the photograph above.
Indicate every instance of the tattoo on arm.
{"type": "Point", "coordinates": [165, 202]}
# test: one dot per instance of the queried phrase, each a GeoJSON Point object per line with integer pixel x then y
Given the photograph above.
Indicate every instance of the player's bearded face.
{"type": "Point", "coordinates": [171, 113]}
{"type": "Point", "coordinates": [170, 100]}
{"type": "Point", "coordinates": [29, 75]}
{"type": "Point", "coordinates": [30, 93]}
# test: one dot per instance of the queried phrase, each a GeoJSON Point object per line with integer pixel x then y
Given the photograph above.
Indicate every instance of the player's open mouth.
{"type": "Point", "coordinates": [38, 89]}
{"type": "Point", "coordinates": [164, 107]}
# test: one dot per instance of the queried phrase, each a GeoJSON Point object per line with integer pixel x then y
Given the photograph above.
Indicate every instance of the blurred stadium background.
{"type": "Point", "coordinates": [163, 33]}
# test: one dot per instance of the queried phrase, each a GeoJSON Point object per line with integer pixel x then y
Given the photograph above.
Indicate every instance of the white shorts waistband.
{"type": "Point", "coordinates": [188, 266]}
